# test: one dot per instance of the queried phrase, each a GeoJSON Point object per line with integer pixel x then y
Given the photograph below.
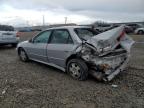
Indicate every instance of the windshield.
{"type": "Point", "coordinates": [85, 33]}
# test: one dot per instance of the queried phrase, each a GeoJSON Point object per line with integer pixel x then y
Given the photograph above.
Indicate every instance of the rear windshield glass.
{"type": "Point", "coordinates": [6, 28]}
{"type": "Point", "coordinates": [85, 33]}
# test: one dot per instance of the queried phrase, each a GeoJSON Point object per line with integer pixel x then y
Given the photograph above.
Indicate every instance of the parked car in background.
{"type": "Point", "coordinates": [36, 29]}
{"type": "Point", "coordinates": [139, 31]}
{"type": "Point", "coordinates": [103, 27]}
{"type": "Point", "coordinates": [29, 30]}
{"type": "Point", "coordinates": [134, 26]}
{"type": "Point", "coordinates": [129, 29]}
{"type": "Point", "coordinates": [79, 51]}
{"type": "Point", "coordinates": [8, 36]}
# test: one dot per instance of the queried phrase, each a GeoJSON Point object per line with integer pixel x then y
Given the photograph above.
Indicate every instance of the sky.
{"type": "Point", "coordinates": [32, 12]}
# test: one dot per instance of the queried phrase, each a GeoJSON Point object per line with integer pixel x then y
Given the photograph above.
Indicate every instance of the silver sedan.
{"type": "Point", "coordinates": [79, 51]}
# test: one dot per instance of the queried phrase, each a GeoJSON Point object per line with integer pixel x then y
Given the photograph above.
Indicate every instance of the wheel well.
{"type": "Point", "coordinates": [19, 50]}
{"type": "Point", "coordinates": [140, 30]}
{"type": "Point", "coordinates": [71, 57]}
{"type": "Point", "coordinates": [74, 56]}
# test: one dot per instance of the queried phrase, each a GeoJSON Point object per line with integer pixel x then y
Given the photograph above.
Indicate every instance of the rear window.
{"type": "Point", "coordinates": [6, 28]}
{"type": "Point", "coordinates": [85, 33]}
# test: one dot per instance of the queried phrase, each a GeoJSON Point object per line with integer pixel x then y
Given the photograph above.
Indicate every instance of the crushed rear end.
{"type": "Point", "coordinates": [106, 54]}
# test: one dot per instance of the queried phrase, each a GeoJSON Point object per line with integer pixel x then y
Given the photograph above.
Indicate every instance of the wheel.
{"type": "Point", "coordinates": [77, 69]}
{"type": "Point", "coordinates": [22, 55]}
{"type": "Point", "coordinates": [140, 32]}
{"type": "Point", "coordinates": [14, 45]}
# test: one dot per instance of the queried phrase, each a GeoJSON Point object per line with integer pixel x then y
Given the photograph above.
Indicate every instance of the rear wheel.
{"type": "Point", "coordinates": [22, 55]}
{"type": "Point", "coordinates": [77, 69]}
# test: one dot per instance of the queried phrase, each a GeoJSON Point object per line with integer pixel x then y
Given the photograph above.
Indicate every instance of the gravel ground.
{"type": "Point", "coordinates": [34, 85]}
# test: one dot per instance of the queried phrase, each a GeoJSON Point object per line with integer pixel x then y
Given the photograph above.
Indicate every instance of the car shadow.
{"type": "Point", "coordinates": [90, 78]}
{"type": "Point", "coordinates": [6, 47]}
{"type": "Point", "coordinates": [53, 69]}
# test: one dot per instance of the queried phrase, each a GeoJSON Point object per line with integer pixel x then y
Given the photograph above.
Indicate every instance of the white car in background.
{"type": "Point", "coordinates": [8, 36]}
{"type": "Point", "coordinates": [139, 30]}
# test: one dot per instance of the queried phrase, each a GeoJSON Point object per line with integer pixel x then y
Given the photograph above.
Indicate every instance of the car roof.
{"type": "Point", "coordinates": [68, 27]}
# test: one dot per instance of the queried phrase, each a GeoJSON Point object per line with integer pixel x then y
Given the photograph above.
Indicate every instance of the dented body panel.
{"type": "Point", "coordinates": [110, 53]}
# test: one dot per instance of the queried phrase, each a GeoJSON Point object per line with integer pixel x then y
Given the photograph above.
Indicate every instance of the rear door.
{"type": "Point", "coordinates": [37, 49]}
{"type": "Point", "coordinates": [59, 46]}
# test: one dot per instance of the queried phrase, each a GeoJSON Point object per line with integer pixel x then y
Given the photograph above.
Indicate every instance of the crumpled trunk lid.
{"type": "Point", "coordinates": [109, 40]}
{"type": "Point", "coordinates": [107, 53]}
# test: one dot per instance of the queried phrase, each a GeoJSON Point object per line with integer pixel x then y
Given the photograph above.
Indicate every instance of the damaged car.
{"type": "Point", "coordinates": [80, 51]}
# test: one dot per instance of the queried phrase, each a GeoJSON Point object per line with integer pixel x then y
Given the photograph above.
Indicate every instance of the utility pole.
{"type": "Point", "coordinates": [66, 20]}
{"type": "Point", "coordinates": [27, 23]}
{"type": "Point", "coordinates": [43, 20]}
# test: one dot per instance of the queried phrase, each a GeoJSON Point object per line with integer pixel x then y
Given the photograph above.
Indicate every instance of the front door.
{"type": "Point", "coordinates": [37, 48]}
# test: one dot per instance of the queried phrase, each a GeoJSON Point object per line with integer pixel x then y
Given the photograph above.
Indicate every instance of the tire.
{"type": "Point", "coordinates": [14, 45]}
{"type": "Point", "coordinates": [77, 69]}
{"type": "Point", "coordinates": [140, 32]}
{"type": "Point", "coordinates": [22, 55]}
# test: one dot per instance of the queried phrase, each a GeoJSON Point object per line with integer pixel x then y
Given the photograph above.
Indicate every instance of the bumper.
{"type": "Point", "coordinates": [6, 43]}
{"type": "Point", "coordinates": [9, 42]}
{"type": "Point", "coordinates": [117, 71]}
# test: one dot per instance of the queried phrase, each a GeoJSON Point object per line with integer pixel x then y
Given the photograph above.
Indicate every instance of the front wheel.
{"type": "Point", "coordinates": [22, 55]}
{"type": "Point", "coordinates": [78, 69]}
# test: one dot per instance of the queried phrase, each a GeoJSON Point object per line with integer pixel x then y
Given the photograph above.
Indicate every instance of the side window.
{"type": "Point", "coordinates": [61, 36]}
{"type": "Point", "coordinates": [83, 32]}
{"type": "Point", "coordinates": [42, 37]}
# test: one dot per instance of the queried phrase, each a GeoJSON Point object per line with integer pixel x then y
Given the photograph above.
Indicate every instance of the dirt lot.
{"type": "Point", "coordinates": [34, 85]}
